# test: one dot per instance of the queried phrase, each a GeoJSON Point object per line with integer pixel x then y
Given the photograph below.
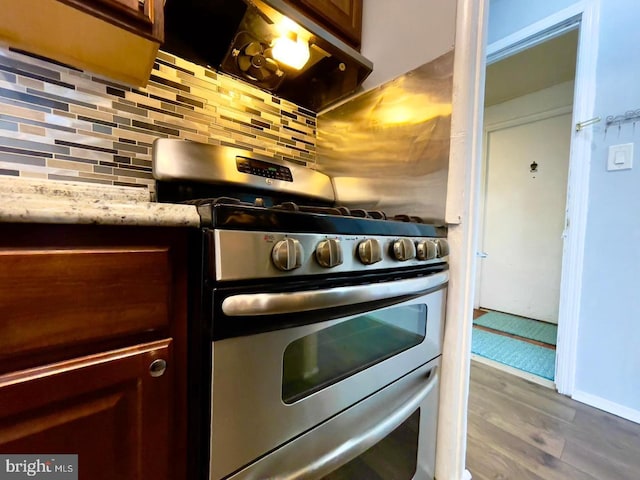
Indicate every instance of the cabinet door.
{"type": "Point", "coordinates": [138, 10]}
{"type": "Point", "coordinates": [106, 408]}
{"type": "Point", "coordinates": [144, 17]}
{"type": "Point", "coordinates": [343, 17]}
{"type": "Point", "coordinates": [118, 42]}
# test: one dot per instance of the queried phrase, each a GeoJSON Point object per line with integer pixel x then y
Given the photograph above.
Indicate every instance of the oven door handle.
{"type": "Point", "coordinates": [263, 304]}
{"type": "Point", "coordinates": [360, 443]}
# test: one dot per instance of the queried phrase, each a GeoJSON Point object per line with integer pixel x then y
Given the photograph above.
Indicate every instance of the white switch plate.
{"type": "Point", "coordinates": [620, 157]}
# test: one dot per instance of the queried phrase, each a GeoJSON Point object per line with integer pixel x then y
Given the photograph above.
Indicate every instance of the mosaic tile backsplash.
{"type": "Point", "coordinates": [59, 123]}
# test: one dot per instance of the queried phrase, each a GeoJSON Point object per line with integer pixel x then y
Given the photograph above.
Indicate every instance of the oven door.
{"type": "Point", "coordinates": [270, 387]}
{"type": "Point", "coordinates": [388, 436]}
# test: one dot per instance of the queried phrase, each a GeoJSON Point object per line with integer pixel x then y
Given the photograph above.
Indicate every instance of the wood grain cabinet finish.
{"type": "Point", "coordinates": [343, 18]}
{"type": "Point", "coordinates": [84, 312]}
{"type": "Point", "coordinates": [115, 38]}
{"type": "Point", "coordinates": [106, 408]}
{"type": "Point", "coordinates": [142, 17]}
{"type": "Point", "coordinates": [52, 299]}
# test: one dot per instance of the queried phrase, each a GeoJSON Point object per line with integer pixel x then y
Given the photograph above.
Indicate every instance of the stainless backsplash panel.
{"type": "Point", "coordinates": [388, 148]}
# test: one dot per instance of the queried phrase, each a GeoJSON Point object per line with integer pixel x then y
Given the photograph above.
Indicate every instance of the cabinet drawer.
{"type": "Point", "coordinates": [53, 298]}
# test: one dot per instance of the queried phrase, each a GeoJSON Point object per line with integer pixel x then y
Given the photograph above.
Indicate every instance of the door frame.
{"type": "Point", "coordinates": [586, 13]}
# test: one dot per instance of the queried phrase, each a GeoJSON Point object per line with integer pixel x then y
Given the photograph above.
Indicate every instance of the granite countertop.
{"type": "Point", "coordinates": [25, 200]}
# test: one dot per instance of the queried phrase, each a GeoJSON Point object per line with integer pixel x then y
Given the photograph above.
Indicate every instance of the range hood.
{"type": "Point", "coordinates": [240, 37]}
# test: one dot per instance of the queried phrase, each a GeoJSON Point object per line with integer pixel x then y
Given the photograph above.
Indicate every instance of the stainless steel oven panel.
{"type": "Point", "coordinates": [247, 255]}
{"type": "Point", "coordinates": [249, 417]}
{"type": "Point", "coordinates": [344, 437]}
{"type": "Point", "coordinates": [216, 164]}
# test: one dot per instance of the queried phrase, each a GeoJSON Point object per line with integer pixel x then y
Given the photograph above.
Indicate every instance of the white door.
{"type": "Point", "coordinates": [524, 217]}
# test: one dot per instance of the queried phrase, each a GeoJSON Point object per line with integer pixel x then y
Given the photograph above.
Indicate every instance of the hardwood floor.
{"type": "Point", "coordinates": [519, 430]}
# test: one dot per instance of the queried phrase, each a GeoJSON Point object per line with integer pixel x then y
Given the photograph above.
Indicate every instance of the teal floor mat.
{"type": "Point", "coordinates": [515, 353]}
{"type": "Point", "coordinates": [520, 326]}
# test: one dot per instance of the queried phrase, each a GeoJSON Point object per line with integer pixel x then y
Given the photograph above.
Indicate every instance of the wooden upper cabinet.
{"type": "Point", "coordinates": [343, 18]}
{"type": "Point", "coordinates": [143, 17]}
{"type": "Point", "coordinates": [137, 10]}
{"type": "Point", "coordinates": [115, 38]}
{"type": "Point", "coordinates": [106, 408]}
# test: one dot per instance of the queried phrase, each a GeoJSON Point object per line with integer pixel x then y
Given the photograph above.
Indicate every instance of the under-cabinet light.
{"type": "Point", "coordinates": [291, 50]}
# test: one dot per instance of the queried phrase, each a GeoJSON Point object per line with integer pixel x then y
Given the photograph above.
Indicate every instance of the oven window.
{"type": "Point", "coordinates": [325, 357]}
{"type": "Point", "coordinates": [395, 457]}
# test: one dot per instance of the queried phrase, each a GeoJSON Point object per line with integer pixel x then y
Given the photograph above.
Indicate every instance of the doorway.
{"type": "Point", "coordinates": [527, 138]}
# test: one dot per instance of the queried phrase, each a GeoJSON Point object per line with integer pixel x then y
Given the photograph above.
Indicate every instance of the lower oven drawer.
{"type": "Point", "coordinates": [390, 435]}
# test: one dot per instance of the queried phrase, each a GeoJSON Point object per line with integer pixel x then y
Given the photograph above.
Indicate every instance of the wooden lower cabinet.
{"type": "Point", "coordinates": [93, 353]}
{"type": "Point", "coordinates": [106, 408]}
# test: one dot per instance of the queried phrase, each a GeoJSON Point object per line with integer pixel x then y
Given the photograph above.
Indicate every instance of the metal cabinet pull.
{"type": "Point", "coordinates": [157, 367]}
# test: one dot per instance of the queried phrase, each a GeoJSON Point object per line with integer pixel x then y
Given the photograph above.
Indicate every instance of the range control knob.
{"type": "Point", "coordinates": [403, 249]}
{"type": "Point", "coordinates": [329, 253]}
{"type": "Point", "coordinates": [426, 250]}
{"type": "Point", "coordinates": [442, 248]}
{"type": "Point", "coordinates": [287, 254]}
{"type": "Point", "coordinates": [369, 251]}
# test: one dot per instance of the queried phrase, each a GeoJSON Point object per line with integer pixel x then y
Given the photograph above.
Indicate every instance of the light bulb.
{"type": "Point", "coordinates": [291, 51]}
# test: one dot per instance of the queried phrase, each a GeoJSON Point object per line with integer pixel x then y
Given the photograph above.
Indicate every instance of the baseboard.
{"type": "Point", "coordinates": [607, 405]}
{"type": "Point", "coordinates": [514, 371]}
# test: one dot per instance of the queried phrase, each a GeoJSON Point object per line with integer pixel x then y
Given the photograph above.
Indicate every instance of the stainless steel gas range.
{"type": "Point", "coordinates": [315, 331]}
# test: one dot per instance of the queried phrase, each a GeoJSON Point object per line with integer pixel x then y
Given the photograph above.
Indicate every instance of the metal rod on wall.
{"type": "Point", "coordinates": [586, 123]}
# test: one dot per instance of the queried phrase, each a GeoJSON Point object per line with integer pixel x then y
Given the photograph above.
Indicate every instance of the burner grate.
{"type": "Point", "coordinates": [199, 202]}
{"type": "Point", "coordinates": [407, 218]}
{"type": "Point", "coordinates": [338, 210]}
{"type": "Point", "coordinates": [294, 207]}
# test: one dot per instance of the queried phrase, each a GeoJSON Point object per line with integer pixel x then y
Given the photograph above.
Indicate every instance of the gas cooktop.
{"type": "Point", "coordinates": [235, 214]}
{"type": "Point", "coordinates": [234, 189]}
{"type": "Point", "coordinates": [283, 219]}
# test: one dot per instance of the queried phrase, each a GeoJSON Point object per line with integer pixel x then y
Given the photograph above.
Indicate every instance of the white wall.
{"type": "Point", "coordinates": [608, 357]}
{"type": "Point", "coordinates": [398, 36]}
